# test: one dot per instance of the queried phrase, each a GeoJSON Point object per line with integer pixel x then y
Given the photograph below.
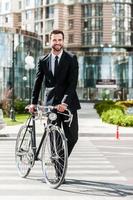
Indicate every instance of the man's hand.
{"type": "Point", "coordinates": [32, 108]}
{"type": "Point", "coordinates": [61, 107]}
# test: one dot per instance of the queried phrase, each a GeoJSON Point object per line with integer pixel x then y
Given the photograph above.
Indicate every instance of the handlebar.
{"type": "Point", "coordinates": [41, 111]}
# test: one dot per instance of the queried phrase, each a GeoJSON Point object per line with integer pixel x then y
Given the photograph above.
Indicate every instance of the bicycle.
{"type": "Point", "coordinates": [53, 146]}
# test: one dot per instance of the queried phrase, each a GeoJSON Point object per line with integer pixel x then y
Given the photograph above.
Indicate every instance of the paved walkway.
{"type": "Point", "coordinates": [90, 125]}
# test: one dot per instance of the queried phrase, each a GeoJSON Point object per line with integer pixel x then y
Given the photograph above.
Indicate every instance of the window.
{"type": "Point", "coordinates": [70, 23]}
{"type": "Point", "coordinates": [50, 12]}
{"type": "Point", "coordinates": [71, 10]}
{"type": "Point", "coordinates": [98, 37]}
{"type": "Point", "coordinates": [70, 38]}
{"type": "Point", "coordinates": [7, 6]}
{"type": "Point", "coordinates": [38, 3]}
{"type": "Point", "coordinates": [6, 19]}
{"type": "Point", "coordinates": [87, 10]}
{"type": "Point", "coordinates": [0, 7]}
{"type": "Point", "coordinates": [49, 1]}
{"type": "Point", "coordinates": [38, 13]}
{"type": "Point", "coordinates": [19, 18]}
{"type": "Point", "coordinates": [28, 14]}
{"type": "Point", "coordinates": [121, 38]}
{"type": "Point", "coordinates": [87, 38]}
{"type": "Point", "coordinates": [1, 20]}
{"type": "Point", "coordinates": [47, 40]}
{"type": "Point", "coordinates": [19, 4]}
{"type": "Point", "coordinates": [41, 24]}
{"type": "Point", "coordinates": [39, 27]}
{"type": "Point", "coordinates": [98, 10]}
{"type": "Point", "coordinates": [98, 24]}
{"type": "Point", "coordinates": [49, 25]}
{"type": "Point", "coordinates": [27, 2]}
{"type": "Point", "coordinates": [85, 25]}
{"type": "Point", "coordinates": [29, 28]}
{"type": "Point", "coordinates": [119, 9]}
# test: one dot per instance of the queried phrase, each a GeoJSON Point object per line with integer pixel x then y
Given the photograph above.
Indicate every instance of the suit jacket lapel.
{"type": "Point", "coordinates": [48, 64]}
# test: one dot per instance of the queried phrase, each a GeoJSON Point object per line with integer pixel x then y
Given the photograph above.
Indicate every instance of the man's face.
{"type": "Point", "coordinates": [57, 42]}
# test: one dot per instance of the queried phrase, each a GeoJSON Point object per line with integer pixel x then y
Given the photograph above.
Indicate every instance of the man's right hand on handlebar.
{"type": "Point", "coordinates": [61, 107]}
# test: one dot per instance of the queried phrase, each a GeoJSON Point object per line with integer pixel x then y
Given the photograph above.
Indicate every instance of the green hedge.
{"type": "Point", "coordinates": [104, 106]}
{"type": "Point", "coordinates": [113, 116]}
{"type": "Point", "coordinates": [19, 106]}
{"type": "Point", "coordinates": [115, 112]}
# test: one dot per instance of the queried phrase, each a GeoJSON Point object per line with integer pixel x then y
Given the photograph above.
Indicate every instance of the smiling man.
{"type": "Point", "coordinates": [59, 70]}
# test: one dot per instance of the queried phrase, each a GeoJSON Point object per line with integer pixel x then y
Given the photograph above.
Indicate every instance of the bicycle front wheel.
{"type": "Point", "coordinates": [24, 155]}
{"type": "Point", "coordinates": [54, 157]}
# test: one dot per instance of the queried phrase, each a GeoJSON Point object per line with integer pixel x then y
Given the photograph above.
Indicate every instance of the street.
{"type": "Point", "coordinates": [97, 169]}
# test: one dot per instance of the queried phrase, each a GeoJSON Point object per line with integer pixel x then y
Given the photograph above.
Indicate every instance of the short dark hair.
{"type": "Point", "coordinates": [57, 32]}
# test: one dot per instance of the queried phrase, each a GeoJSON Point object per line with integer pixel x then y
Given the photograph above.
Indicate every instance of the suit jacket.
{"type": "Point", "coordinates": [59, 88]}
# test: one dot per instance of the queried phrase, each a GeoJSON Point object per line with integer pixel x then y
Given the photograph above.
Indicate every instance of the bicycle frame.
{"type": "Point", "coordinates": [31, 124]}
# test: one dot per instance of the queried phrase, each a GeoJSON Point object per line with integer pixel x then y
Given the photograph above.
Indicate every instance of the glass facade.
{"type": "Point", "coordinates": [92, 24]}
{"type": "Point", "coordinates": [106, 59]}
{"type": "Point", "coordinates": [106, 73]}
{"type": "Point", "coordinates": [103, 44]}
{"type": "Point", "coordinates": [14, 48]}
{"type": "Point", "coordinates": [122, 23]}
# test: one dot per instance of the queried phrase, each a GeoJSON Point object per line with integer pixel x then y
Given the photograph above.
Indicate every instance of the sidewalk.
{"type": "Point", "coordinates": [90, 125]}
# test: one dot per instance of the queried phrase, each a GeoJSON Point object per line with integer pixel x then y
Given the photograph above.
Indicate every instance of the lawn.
{"type": "Point", "coordinates": [19, 119]}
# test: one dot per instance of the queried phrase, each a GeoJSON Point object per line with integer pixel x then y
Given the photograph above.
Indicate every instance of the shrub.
{"type": "Point", "coordinates": [113, 116]}
{"type": "Point", "coordinates": [19, 106]}
{"type": "Point", "coordinates": [105, 106]}
{"type": "Point", "coordinates": [114, 113]}
{"type": "Point", "coordinates": [127, 120]}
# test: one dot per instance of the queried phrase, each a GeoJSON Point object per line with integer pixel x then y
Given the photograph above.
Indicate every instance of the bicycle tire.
{"type": "Point", "coordinates": [24, 155]}
{"type": "Point", "coordinates": [54, 157]}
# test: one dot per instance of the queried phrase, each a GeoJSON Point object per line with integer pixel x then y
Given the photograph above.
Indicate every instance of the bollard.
{"type": "Point", "coordinates": [12, 114]}
{"type": "Point", "coordinates": [117, 132]}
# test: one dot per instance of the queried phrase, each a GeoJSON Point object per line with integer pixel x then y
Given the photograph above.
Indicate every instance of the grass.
{"type": "Point", "coordinates": [19, 119]}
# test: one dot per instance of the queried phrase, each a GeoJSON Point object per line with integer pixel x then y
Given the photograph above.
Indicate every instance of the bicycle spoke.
{"type": "Point", "coordinates": [54, 157]}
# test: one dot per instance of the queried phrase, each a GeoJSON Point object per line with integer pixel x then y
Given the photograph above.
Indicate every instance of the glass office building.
{"type": "Point", "coordinates": [99, 32]}
{"type": "Point", "coordinates": [14, 71]}
{"type": "Point", "coordinates": [106, 56]}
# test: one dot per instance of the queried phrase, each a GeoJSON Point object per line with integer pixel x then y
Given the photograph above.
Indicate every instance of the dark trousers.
{"type": "Point", "coordinates": [71, 132]}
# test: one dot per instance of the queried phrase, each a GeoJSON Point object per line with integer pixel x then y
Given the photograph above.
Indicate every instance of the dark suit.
{"type": "Point", "coordinates": [60, 88]}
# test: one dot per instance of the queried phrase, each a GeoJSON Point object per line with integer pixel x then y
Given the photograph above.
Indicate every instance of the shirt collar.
{"type": "Point", "coordinates": [59, 56]}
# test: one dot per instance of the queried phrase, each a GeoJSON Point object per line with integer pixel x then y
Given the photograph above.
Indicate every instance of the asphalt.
{"type": "Point", "coordinates": [90, 125]}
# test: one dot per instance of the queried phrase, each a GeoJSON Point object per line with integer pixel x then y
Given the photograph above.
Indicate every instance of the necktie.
{"type": "Point", "coordinates": [55, 65]}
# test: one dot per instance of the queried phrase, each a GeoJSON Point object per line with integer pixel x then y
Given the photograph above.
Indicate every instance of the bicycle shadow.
{"type": "Point", "coordinates": [96, 188]}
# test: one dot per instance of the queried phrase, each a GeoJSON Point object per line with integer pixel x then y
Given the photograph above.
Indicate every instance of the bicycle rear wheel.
{"type": "Point", "coordinates": [24, 155]}
{"type": "Point", "coordinates": [54, 157]}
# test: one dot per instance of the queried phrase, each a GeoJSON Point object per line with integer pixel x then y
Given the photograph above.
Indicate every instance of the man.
{"type": "Point", "coordinates": [59, 70]}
